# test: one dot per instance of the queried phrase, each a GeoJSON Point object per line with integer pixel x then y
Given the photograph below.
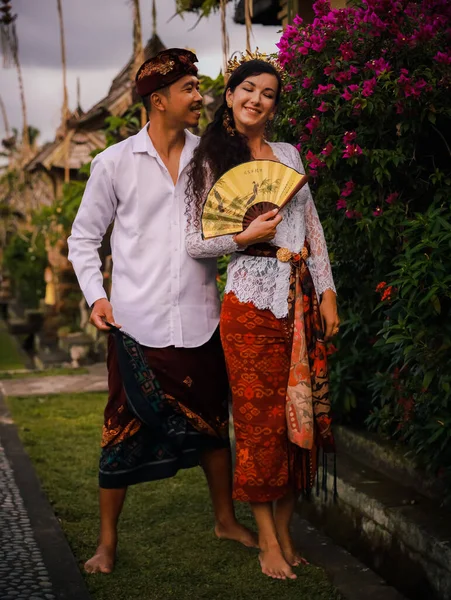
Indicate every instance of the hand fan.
{"type": "Point", "coordinates": [245, 192]}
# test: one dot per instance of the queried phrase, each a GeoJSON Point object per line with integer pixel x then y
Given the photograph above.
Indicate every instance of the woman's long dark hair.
{"type": "Point", "coordinates": [218, 151]}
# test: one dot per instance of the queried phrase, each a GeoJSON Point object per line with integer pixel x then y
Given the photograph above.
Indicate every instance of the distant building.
{"type": "Point", "coordinates": [281, 12]}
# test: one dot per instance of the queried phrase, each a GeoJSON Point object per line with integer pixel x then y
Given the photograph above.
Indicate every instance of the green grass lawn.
{"type": "Point", "coordinates": [10, 356]}
{"type": "Point", "coordinates": [44, 373]}
{"type": "Point", "coordinates": [167, 548]}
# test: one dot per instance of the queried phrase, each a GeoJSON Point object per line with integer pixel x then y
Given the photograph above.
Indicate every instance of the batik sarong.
{"type": "Point", "coordinates": [165, 407]}
{"type": "Point", "coordinates": [279, 381]}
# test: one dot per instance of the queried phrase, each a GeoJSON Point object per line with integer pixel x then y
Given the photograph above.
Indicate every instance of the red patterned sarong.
{"type": "Point", "coordinates": [277, 369]}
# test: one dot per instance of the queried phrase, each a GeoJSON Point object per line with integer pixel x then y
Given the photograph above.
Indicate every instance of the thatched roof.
{"type": "Point", "coordinates": [81, 144]}
{"type": "Point", "coordinates": [85, 129]}
{"type": "Point", "coordinates": [121, 93]}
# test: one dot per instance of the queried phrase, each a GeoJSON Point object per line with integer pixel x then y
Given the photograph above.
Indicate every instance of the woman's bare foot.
{"type": "Point", "coordinates": [292, 556]}
{"type": "Point", "coordinates": [238, 533]}
{"type": "Point", "coordinates": [102, 561]}
{"type": "Point", "coordinates": [274, 565]}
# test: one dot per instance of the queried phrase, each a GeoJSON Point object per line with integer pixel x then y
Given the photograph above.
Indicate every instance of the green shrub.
{"type": "Point", "coordinates": [25, 259]}
{"type": "Point", "coordinates": [367, 102]}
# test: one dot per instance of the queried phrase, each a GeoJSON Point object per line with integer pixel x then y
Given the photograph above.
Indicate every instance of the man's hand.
{"type": "Point", "coordinates": [328, 309]}
{"type": "Point", "coordinates": [262, 229]}
{"type": "Point", "coordinates": [102, 311]}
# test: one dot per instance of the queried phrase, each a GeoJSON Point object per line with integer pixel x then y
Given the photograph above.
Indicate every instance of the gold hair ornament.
{"type": "Point", "coordinates": [235, 62]}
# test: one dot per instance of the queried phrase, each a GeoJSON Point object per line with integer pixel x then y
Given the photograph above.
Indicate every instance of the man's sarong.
{"type": "Point", "coordinates": [165, 407]}
{"type": "Point", "coordinates": [278, 376]}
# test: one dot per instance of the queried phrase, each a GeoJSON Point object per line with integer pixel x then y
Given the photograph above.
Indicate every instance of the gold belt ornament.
{"type": "Point", "coordinates": [285, 255]}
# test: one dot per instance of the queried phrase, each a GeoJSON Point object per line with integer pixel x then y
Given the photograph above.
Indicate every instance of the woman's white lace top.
{"type": "Point", "coordinates": [265, 281]}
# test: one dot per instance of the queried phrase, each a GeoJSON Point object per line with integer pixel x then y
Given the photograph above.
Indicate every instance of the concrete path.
{"type": "Point", "coordinates": [94, 381]}
{"type": "Point", "coordinates": [36, 562]}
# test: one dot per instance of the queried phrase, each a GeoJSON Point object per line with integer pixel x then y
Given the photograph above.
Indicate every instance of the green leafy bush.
{"type": "Point", "coordinates": [25, 259]}
{"type": "Point", "coordinates": [367, 102]}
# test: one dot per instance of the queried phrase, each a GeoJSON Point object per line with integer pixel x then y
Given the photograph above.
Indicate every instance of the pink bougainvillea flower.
{"type": "Point", "coordinates": [314, 161]}
{"type": "Point", "coordinates": [343, 76]}
{"type": "Point", "coordinates": [341, 203]}
{"type": "Point", "coordinates": [323, 107]}
{"type": "Point", "coordinates": [292, 122]}
{"type": "Point", "coordinates": [399, 108]}
{"type": "Point", "coordinates": [442, 57]}
{"type": "Point", "coordinates": [368, 87]}
{"type": "Point", "coordinates": [331, 68]}
{"type": "Point", "coordinates": [302, 103]}
{"type": "Point", "coordinates": [352, 150]}
{"type": "Point", "coordinates": [324, 89]}
{"type": "Point", "coordinates": [321, 8]}
{"type": "Point", "coordinates": [377, 212]}
{"type": "Point", "coordinates": [353, 87]}
{"type": "Point", "coordinates": [312, 124]}
{"type": "Point", "coordinates": [349, 137]}
{"type": "Point", "coordinates": [327, 150]}
{"type": "Point", "coordinates": [348, 189]}
{"type": "Point", "coordinates": [378, 66]}
{"type": "Point", "coordinates": [347, 95]}
{"type": "Point", "coordinates": [347, 50]}
{"type": "Point", "coordinates": [391, 198]}
{"type": "Point", "coordinates": [307, 82]}
{"type": "Point", "coordinates": [288, 88]}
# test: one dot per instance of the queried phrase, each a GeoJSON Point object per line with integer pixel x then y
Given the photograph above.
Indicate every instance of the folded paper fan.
{"type": "Point", "coordinates": [245, 192]}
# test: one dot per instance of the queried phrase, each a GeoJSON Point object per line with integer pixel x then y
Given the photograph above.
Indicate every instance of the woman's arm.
{"type": "Point", "coordinates": [319, 264]}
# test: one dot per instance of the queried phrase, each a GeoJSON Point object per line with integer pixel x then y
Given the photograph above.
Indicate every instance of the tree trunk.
{"type": "Point", "coordinates": [5, 118]}
{"type": "Point", "coordinates": [25, 137]}
{"type": "Point", "coordinates": [65, 108]}
{"type": "Point", "coordinates": [225, 36]}
{"type": "Point", "coordinates": [138, 51]}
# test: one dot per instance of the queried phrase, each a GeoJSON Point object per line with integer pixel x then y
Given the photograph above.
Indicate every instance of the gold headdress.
{"type": "Point", "coordinates": [235, 62]}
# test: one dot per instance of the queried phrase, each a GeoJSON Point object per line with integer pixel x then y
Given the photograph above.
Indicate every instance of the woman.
{"type": "Point", "coordinates": [270, 313]}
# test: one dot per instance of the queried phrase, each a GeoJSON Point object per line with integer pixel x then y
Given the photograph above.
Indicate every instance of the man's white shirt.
{"type": "Point", "coordinates": [160, 295]}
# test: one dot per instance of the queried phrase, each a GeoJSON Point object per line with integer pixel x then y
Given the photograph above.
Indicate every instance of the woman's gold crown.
{"type": "Point", "coordinates": [235, 62]}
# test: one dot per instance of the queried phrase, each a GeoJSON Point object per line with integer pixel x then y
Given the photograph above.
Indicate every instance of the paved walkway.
{"type": "Point", "coordinates": [94, 381]}
{"type": "Point", "coordinates": [36, 562]}
{"type": "Point", "coordinates": [23, 574]}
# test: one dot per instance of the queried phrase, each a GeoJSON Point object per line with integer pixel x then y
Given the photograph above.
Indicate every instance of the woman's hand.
{"type": "Point", "coordinates": [262, 229]}
{"type": "Point", "coordinates": [328, 310]}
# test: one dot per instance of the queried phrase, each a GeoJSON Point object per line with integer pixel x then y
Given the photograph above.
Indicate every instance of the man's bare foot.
{"type": "Point", "coordinates": [274, 565]}
{"type": "Point", "coordinates": [238, 533]}
{"type": "Point", "coordinates": [292, 556]}
{"type": "Point", "coordinates": [102, 561]}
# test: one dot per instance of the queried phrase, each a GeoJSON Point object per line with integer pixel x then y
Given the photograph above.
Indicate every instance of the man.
{"type": "Point", "coordinates": [162, 297]}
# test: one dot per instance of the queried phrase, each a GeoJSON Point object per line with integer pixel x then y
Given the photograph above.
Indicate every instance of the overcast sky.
{"type": "Point", "coordinates": [98, 44]}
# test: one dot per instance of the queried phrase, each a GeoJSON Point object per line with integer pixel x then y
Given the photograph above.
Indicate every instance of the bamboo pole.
{"type": "Point", "coordinates": [65, 108]}
{"type": "Point", "coordinates": [138, 50]}
{"type": "Point", "coordinates": [225, 37]}
{"type": "Point", "coordinates": [248, 14]}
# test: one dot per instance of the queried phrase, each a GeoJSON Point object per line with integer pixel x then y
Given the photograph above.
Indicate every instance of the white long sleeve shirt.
{"type": "Point", "coordinates": [160, 295]}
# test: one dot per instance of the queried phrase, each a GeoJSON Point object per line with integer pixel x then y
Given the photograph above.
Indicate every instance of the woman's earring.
{"type": "Point", "coordinates": [227, 122]}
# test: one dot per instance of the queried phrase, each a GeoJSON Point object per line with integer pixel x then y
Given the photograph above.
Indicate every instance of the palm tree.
{"type": "Point", "coordinates": [10, 49]}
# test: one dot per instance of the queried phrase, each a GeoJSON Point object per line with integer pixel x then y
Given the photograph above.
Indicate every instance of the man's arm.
{"type": "Point", "coordinates": [96, 212]}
